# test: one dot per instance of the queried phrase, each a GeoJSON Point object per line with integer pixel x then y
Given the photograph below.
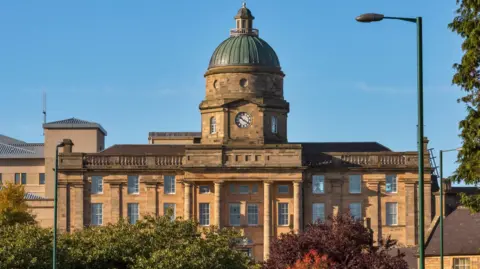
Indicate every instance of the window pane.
{"type": "Point", "coordinates": [24, 178]}
{"type": "Point", "coordinates": [17, 178]}
{"type": "Point", "coordinates": [235, 214]}
{"type": "Point", "coordinates": [132, 213]}
{"type": "Point", "coordinates": [355, 183]}
{"type": "Point", "coordinates": [254, 188]}
{"type": "Point", "coordinates": [169, 208]}
{"type": "Point", "coordinates": [97, 214]}
{"type": "Point", "coordinates": [274, 124]}
{"type": "Point", "coordinates": [318, 183]}
{"type": "Point", "coordinates": [282, 188]}
{"type": "Point", "coordinates": [1, 179]}
{"type": "Point", "coordinates": [204, 214]}
{"type": "Point", "coordinates": [283, 214]}
{"type": "Point", "coordinates": [169, 184]}
{"type": "Point", "coordinates": [356, 210]}
{"type": "Point", "coordinates": [133, 183]}
{"type": "Point", "coordinates": [461, 263]}
{"type": "Point", "coordinates": [232, 188]}
{"type": "Point", "coordinates": [213, 125]}
{"type": "Point", "coordinates": [392, 215]}
{"type": "Point", "coordinates": [41, 179]}
{"type": "Point", "coordinates": [318, 212]}
{"type": "Point", "coordinates": [97, 184]}
{"type": "Point", "coordinates": [252, 212]}
{"type": "Point", "coordinates": [391, 184]}
{"type": "Point", "coordinates": [204, 189]}
{"type": "Point", "coordinates": [243, 190]}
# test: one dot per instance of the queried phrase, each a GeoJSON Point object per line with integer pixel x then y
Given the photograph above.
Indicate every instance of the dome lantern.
{"type": "Point", "coordinates": [244, 22]}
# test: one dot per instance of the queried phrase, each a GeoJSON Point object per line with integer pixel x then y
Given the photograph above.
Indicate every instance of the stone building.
{"type": "Point", "coordinates": [240, 170]}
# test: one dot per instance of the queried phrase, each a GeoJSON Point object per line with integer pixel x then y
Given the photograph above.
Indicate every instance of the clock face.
{"type": "Point", "coordinates": [243, 120]}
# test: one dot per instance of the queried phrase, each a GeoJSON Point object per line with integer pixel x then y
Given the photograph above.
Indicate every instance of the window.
{"type": "Point", "coordinates": [17, 178]}
{"type": "Point", "coordinates": [356, 210]}
{"type": "Point", "coordinates": [97, 214]}
{"type": "Point", "coordinates": [169, 184]}
{"type": "Point", "coordinates": [235, 214]}
{"type": "Point", "coordinates": [354, 184]}
{"type": "Point", "coordinates": [232, 188]}
{"type": "Point", "coordinates": [133, 187]}
{"type": "Point", "coordinates": [254, 188]}
{"type": "Point", "coordinates": [391, 186]}
{"type": "Point", "coordinates": [283, 214]}
{"type": "Point", "coordinates": [24, 179]}
{"type": "Point", "coordinates": [392, 216]}
{"type": "Point", "coordinates": [274, 124]}
{"type": "Point", "coordinates": [283, 189]}
{"type": "Point", "coordinates": [1, 180]}
{"type": "Point", "coordinates": [97, 184]}
{"type": "Point", "coordinates": [204, 189]}
{"type": "Point", "coordinates": [461, 263]}
{"type": "Point", "coordinates": [169, 208]}
{"type": "Point", "coordinates": [243, 189]}
{"type": "Point", "coordinates": [247, 251]}
{"type": "Point", "coordinates": [132, 213]}
{"type": "Point", "coordinates": [252, 214]}
{"type": "Point", "coordinates": [213, 125]}
{"type": "Point", "coordinates": [41, 179]}
{"type": "Point", "coordinates": [318, 183]}
{"type": "Point", "coordinates": [318, 212]}
{"type": "Point", "coordinates": [204, 214]}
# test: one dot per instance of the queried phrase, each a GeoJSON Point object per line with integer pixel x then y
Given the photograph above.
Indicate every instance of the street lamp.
{"type": "Point", "coordinates": [441, 202]}
{"type": "Point", "coordinates": [371, 17]}
{"type": "Point", "coordinates": [54, 254]}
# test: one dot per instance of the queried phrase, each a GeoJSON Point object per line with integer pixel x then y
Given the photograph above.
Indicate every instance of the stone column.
{"type": "Point", "coordinates": [62, 207]}
{"type": "Point", "coordinates": [152, 198]}
{"type": "Point", "coordinates": [410, 212]}
{"type": "Point", "coordinates": [79, 212]}
{"type": "Point", "coordinates": [337, 195]}
{"type": "Point", "coordinates": [296, 206]}
{"type": "Point", "coordinates": [115, 202]}
{"type": "Point", "coordinates": [267, 186]}
{"type": "Point", "coordinates": [374, 208]}
{"type": "Point", "coordinates": [218, 191]}
{"type": "Point", "coordinates": [187, 203]}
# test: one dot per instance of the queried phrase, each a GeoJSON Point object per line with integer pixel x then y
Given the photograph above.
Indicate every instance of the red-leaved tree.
{"type": "Point", "coordinates": [312, 260]}
{"type": "Point", "coordinates": [346, 243]}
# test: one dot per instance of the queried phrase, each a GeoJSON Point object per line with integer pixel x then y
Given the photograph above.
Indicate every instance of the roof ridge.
{"type": "Point", "coordinates": [12, 148]}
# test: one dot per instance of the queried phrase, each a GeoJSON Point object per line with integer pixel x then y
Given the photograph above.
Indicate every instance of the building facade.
{"type": "Point", "coordinates": [241, 170]}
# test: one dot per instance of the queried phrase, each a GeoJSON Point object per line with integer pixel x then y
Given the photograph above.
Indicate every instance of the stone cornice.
{"type": "Point", "coordinates": [244, 69]}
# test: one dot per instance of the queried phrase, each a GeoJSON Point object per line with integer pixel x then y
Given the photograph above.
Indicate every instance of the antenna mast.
{"type": "Point", "coordinates": [44, 109]}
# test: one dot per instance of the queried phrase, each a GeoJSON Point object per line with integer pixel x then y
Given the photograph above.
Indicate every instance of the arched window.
{"type": "Point", "coordinates": [213, 125]}
{"type": "Point", "coordinates": [274, 124]}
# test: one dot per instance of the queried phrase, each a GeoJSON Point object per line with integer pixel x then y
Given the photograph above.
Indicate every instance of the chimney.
{"type": "Point", "coordinates": [67, 146]}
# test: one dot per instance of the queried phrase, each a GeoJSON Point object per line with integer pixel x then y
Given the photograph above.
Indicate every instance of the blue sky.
{"type": "Point", "coordinates": [137, 66]}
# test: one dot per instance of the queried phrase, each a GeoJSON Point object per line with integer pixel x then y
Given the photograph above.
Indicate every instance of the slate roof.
{"type": "Point", "coordinates": [31, 196]}
{"type": "Point", "coordinates": [174, 134]}
{"type": "Point", "coordinates": [11, 148]}
{"type": "Point", "coordinates": [74, 123]}
{"type": "Point", "coordinates": [316, 147]}
{"type": "Point", "coordinates": [145, 149]}
{"type": "Point", "coordinates": [461, 236]}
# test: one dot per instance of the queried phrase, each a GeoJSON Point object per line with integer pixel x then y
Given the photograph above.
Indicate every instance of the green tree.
{"type": "Point", "coordinates": [467, 77]}
{"type": "Point", "coordinates": [13, 207]}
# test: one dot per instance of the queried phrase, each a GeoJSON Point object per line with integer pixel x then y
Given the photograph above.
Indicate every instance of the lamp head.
{"type": "Point", "coordinates": [369, 17]}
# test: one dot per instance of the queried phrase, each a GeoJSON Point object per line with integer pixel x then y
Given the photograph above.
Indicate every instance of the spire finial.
{"type": "Point", "coordinates": [244, 4]}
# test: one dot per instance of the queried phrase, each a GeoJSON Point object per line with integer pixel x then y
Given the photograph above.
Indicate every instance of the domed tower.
{"type": "Point", "coordinates": [244, 101]}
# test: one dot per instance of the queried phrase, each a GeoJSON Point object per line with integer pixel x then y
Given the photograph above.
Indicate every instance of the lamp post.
{"type": "Point", "coordinates": [371, 17]}
{"type": "Point", "coordinates": [54, 254]}
{"type": "Point", "coordinates": [441, 202]}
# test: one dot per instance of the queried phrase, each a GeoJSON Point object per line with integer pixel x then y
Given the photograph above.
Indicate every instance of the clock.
{"type": "Point", "coordinates": [243, 120]}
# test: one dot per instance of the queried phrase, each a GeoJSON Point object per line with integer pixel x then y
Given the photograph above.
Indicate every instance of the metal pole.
{"type": "Point", "coordinates": [421, 225]}
{"type": "Point", "coordinates": [441, 209]}
{"type": "Point", "coordinates": [54, 264]}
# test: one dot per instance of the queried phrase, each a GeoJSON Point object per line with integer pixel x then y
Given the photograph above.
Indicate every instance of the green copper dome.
{"type": "Point", "coordinates": [244, 50]}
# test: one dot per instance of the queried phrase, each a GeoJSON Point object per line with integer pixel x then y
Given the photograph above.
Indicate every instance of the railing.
{"type": "Point", "coordinates": [107, 161]}
{"type": "Point", "coordinates": [243, 31]}
{"type": "Point", "coordinates": [368, 160]}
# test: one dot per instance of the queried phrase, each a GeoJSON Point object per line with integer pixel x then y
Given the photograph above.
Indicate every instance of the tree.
{"type": "Point", "coordinates": [467, 77]}
{"type": "Point", "coordinates": [312, 260]}
{"type": "Point", "coordinates": [13, 207]}
{"type": "Point", "coordinates": [346, 243]}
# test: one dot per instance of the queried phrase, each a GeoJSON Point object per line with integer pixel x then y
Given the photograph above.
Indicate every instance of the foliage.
{"type": "Point", "coordinates": [312, 260]}
{"type": "Point", "coordinates": [467, 76]}
{"type": "Point", "coordinates": [150, 243]}
{"type": "Point", "coordinates": [13, 207]}
{"type": "Point", "coordinates": [347, 244]}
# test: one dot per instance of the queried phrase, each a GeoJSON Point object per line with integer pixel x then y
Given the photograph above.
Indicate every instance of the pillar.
{"type": "Point", "coordinates": [266, 219]}
{"type": "Point", "coordinates": [410, 213]}
{"type": "Point", "coordinates": [79, 212]}
{"type": "Point", "coordinates": [187, 200]}
{"type": "Point", "coordinates": [218, 191]}
{"type": "Point", "coordinates": [374, 209]}
{"type": "Point", "coordinates": [62, 207]}
{"type": "Point", "coordinates": [152, 198]}
{"type": "Point", "coordinates": [296, 205]}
